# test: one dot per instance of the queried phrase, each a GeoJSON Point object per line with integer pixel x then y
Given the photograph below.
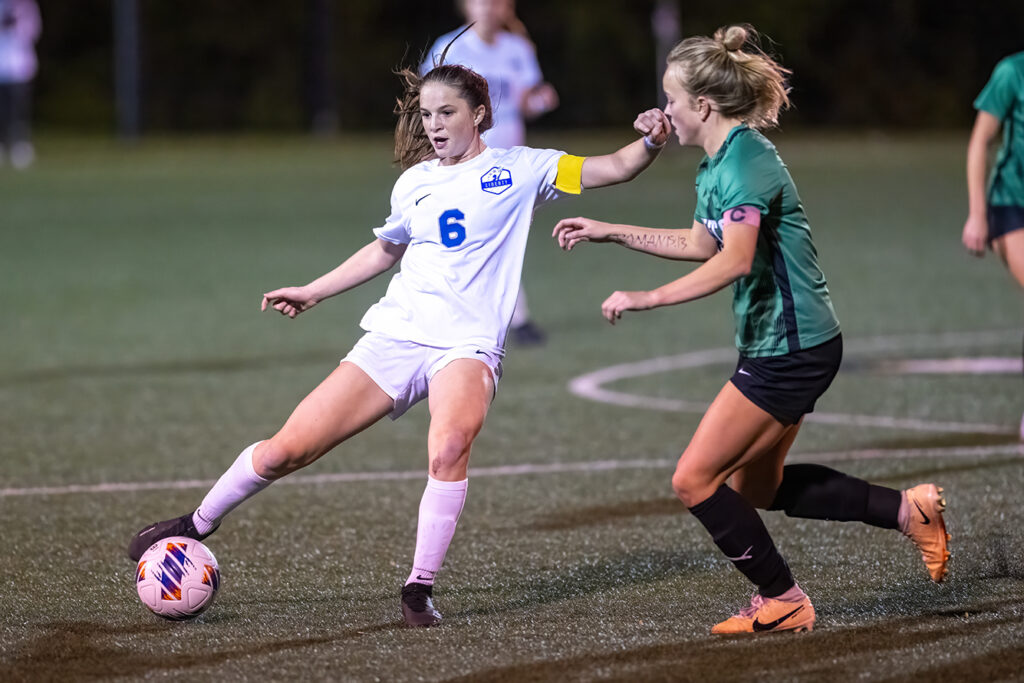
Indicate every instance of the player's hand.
{"type": "Point", "coordinates": [570, 231]}
{"type": "Point", "coordinates": [618, 302]}
{"type": "Point", "coordinates": [289, 301]}
{"type": "Point", "coordinates": [653, 124]}
{"type": "Point", "coordinates": [975, 235]}
{"type": "Point", "coordinates": [539, 100]}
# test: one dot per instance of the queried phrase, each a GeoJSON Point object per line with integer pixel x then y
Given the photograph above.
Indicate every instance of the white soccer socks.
{"type": "Point", "coordinates": [440, 508]}
{"type": "Point", "coordinates": [236, 485]}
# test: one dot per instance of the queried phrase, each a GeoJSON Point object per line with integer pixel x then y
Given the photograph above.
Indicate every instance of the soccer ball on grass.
{"type": "Point", "coordinates": [177, 578]}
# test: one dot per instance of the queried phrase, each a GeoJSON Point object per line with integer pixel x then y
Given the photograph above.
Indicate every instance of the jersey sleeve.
{"type": "Point", "coordinates": [999, 94]}
{"type": "Point", "coordinates": [396, 228]}
{"type": "Point", "coordinates": [557, 173]}
{"type": "Point", "coordinates": [752, 180]}
{"type": "Point", "coordinates": [700, 211]}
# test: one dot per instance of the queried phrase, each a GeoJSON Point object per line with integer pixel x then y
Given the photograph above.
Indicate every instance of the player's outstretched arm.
{"type": "Point", "coordinates": [975, 233]}
{"type": "Point", "coordinates": [627, 163]}
{"type": "Point", "coordinates": [680, 244]}
{"type": "Point", "coordinates": [367, 263]}
{"type": "Point", "coordinates": [734, 261]}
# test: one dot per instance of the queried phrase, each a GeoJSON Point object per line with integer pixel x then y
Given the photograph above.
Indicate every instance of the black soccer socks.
{"type": "Point", "coordinates": [819, 492]}
{"type": "Point", "coordinates": [738, 532]}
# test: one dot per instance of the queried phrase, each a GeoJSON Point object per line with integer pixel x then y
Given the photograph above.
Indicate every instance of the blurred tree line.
{"type": "Point", "coordinates": [236, 64]}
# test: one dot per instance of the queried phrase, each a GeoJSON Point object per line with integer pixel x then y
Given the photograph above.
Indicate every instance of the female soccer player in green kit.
{"type": "Point", "coordinates": [750, 231]}
{"type": "Point", "coordinates": [997, 219]}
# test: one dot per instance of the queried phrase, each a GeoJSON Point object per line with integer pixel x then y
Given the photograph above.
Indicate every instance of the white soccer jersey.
{"type": "Point", "coordinates": [466, 227]}
{"type": "Point", "coordinates": [511, 69]}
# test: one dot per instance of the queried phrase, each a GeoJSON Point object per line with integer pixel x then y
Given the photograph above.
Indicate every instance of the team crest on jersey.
{"type": "Point", "coordinates": [496, 180]}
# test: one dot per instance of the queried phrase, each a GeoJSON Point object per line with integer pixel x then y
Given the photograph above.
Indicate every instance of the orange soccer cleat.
{"type": "Point", "coordinates": [768, 614]}
{"type": "Point", "coordinates": [926, 528]}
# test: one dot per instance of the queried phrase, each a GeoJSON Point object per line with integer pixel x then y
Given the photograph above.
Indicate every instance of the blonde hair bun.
{"type": "Point", "coordinates": [732, 38]}
{"type": "Point", "coordinates": [745, 84]}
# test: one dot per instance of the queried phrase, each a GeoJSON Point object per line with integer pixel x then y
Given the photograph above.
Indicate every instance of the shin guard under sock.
{"type": "Point", "coordinates": [236, 485]}
{"type": "Point", "coordinates": [440, 508]}
{"type": "Point", "coordinates": [818, 492]}
{"type": "Point", "coordinates": [738, 532]}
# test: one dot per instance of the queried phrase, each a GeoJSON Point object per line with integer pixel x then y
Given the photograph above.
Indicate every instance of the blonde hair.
{"type": "Point", "coordinates": [745, 84]}
{"type": "Point", "coordinates": [411, 142]}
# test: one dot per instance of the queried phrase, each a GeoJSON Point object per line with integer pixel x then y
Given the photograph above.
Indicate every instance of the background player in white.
{"type": "Point", "coordinates": [20, 27]}
{"type": "Point", "coordinates": [498, 48]}
{"type": "Point", "coordinates": [459, 219]}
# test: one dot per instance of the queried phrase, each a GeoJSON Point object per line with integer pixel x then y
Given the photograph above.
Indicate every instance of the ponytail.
{"type": "Point", "coordinates": [746, 84]}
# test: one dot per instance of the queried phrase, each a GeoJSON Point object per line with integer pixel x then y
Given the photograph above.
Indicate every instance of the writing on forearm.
{"type": "Point", "coordinates": [649, 241]}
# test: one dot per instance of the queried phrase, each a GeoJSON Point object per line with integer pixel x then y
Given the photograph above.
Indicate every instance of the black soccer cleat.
{"type": "Point", "coordinates": [418, 607]}
{"type": "Point", "coordinates": [180, 526]}
{"type": "Point", "coordinates": [528, 334]}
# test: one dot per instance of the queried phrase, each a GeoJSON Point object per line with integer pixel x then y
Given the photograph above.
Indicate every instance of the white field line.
{"type": "Point", "coordinates": [518, 470]}
{"type": "Point", "coordinates": [984, 365]}
{"type": "Point", "coordinates": [591, 385]}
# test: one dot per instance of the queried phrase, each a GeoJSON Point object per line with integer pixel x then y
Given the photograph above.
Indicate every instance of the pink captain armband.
{"type": "Point", "coordinates": [746, 214]}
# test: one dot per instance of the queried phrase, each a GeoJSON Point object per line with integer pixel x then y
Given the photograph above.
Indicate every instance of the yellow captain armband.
{"type": "Point", "coordinates": [570, 174]}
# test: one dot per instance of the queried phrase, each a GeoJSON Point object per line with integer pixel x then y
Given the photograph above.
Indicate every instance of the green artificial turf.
{"type": "Point", "coordinates": [134, 353]}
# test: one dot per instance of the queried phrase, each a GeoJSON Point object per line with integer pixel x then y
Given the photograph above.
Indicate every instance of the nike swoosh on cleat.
{"type": "Point", "coordinates": [926, 520]}
{"type": "Point", "coordinates": [758, 626]}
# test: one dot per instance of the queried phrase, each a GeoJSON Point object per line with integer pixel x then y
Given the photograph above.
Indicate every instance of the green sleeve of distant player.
{"type": "Point", "coordinates": [1001, 91]}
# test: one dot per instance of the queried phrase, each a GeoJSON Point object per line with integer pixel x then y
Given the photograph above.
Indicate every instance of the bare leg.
{"type": "Point", "coordinates": [1010, 248]}
{"type": "Point", "coordinates": [732, 434]}
{"type": "Point", "coordinates": [460, 395]}
{"type": "Point", "coordinates": [759, 480]}
{"type": "Point", "coordinates": [344, 404]}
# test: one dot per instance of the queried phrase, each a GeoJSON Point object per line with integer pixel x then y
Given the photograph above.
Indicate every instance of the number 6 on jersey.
{"type": "Point", "coordinates": [453, 233]}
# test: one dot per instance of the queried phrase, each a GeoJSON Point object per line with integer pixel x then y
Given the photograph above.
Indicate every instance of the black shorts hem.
{"type": "Point", "coordinates": [787, 387]}
{"type": "Point", "coordinates": [1002, 220]}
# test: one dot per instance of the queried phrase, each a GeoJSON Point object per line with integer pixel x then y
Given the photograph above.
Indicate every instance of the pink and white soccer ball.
{"type": "Point", "coordinates": [177, 578]}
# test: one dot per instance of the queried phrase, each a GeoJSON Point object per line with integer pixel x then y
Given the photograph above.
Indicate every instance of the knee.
{"type": "Point", "coordinates": [449, 456]}
{"type": "Point", "coordinates": [277, 457]}
{"type": "Point", "coordinates": [690, 486]}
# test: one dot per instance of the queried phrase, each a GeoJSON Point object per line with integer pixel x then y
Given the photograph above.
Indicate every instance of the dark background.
{"type": "Point", "coordinates": [243, 65]}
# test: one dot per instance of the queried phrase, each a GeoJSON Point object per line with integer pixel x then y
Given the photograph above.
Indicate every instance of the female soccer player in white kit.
{"type": "Point", "coordinates": [496, 47]}
{"type": "Point", "coordinates": [459, 219]}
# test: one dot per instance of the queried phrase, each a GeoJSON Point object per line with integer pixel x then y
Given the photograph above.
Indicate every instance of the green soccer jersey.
{"type": "Point", "coordinates": [1003, 97]}
{"type": "Point", "coordinates": [783, 304]}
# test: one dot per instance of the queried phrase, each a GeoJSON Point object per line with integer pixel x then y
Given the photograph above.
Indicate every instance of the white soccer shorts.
{"type": "Point", "coordinates": [403, 369]}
